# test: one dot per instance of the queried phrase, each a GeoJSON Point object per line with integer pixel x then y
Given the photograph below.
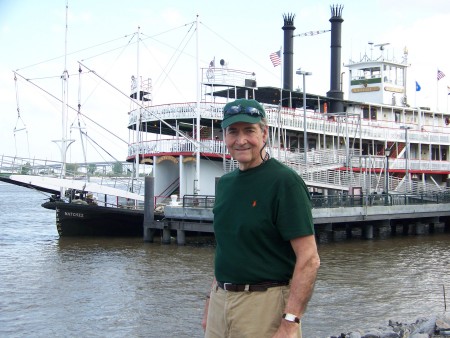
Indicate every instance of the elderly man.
{"type": "Point", "coordinates": [266, 256]}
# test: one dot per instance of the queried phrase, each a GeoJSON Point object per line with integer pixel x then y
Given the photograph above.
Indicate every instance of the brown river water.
{"type": "Point", "coordinates": [100, 287]}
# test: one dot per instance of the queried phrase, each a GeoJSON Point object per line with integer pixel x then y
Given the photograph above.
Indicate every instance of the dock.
{"type": "Point", "coordinates": [335, 217]}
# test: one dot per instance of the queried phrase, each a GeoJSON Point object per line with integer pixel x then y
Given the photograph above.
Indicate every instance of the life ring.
{"type": "Point", "coordinates": [447, 121]}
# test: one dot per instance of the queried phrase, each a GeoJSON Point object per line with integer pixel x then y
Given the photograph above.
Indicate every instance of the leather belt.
{"type": "Point", "coordinates": [263, 286]}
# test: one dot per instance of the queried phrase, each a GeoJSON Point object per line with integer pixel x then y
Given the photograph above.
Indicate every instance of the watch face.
{"type": "Point", "coordinates": [291, 318]}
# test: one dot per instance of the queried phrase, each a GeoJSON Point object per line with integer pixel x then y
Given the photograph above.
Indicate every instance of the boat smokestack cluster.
{"type": "Point", "coordinates": [288, 52]}
{"type": "Point", "coordinates": [335, 92]}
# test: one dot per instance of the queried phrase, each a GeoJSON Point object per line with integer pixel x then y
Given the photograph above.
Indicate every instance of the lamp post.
{"type": "Point", "coordinates": [406, 128]}
{"type": "Point", "coordinates": [305, 133]}
{"type": "Point", "coordinates": [387, 153]}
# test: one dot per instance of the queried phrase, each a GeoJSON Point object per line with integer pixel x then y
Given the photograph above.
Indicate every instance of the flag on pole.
{"type": "Point", "coordinates": [448, 90]}
{"type": "Point", "coordinates": [418, 87]}
{"type": "Point", "coordinates": [212, 64]}
{"type": "Point", "coordinates": [275, 57]}
{"type": "Point", "coordinates": [440, 75]}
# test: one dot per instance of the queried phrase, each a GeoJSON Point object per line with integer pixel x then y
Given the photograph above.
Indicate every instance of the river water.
{"type": "Point", "coordinates": [99, 287]}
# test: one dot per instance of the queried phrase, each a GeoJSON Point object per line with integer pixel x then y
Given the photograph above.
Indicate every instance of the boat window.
{"type": "Point", "coordinates": [370, 115]}
{"type": "Point", "coordinates": [366, 113]}
{"type": "Point", "coordinates": [373, 113]}
{"type": "Point", "coordinates": [376, 73]}
{"type": "Point", "coordinates": [435, 153]}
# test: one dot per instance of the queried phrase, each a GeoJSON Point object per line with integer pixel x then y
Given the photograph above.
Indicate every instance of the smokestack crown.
{"type": "Point", "coordinates": [336, 12]}
{"type": "Point", "coordinates": [288, 21]}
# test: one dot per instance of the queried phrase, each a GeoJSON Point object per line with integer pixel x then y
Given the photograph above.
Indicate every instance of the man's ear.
{"type": "Point", "coordinates": [266, 133]}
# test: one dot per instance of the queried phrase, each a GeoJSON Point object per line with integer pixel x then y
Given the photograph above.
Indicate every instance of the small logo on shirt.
{"type": "Point", "coordinates": [254, 204]}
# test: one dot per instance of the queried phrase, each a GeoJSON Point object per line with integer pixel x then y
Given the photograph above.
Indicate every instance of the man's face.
{"type": "Point", "coordinates": [244, 142]}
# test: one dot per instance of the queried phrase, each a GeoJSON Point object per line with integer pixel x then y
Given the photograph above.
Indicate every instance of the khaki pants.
{"type": "Point", "coordinates": [246, 314]}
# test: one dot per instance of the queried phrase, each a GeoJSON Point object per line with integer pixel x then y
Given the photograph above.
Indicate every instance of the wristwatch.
{"type": "Point", "coordinates": [291, 318]}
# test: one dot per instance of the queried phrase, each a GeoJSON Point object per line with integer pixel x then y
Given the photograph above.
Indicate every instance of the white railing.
{"type": "Point", "coordinates": [322, 167]}
{"type": "Point", "coordinates": [180, 145]}
{"type": "Point", "coordinates": [293, 119]}
{"type": "Point", "coordinates": [227, 77]}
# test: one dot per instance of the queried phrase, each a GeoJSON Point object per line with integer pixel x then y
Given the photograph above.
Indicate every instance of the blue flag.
{"type": "Point", "coordinates": [418, 88]}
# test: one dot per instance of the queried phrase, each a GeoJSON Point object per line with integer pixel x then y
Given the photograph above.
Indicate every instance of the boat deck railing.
{"type": "Point", "coordinates": [324, 168]}
{"type": "Point", "coordinates": [198, 201]}
{"type": "Point", "coordinates": [319, 201]}
{"type": "Point", "coordinates": [316, 122]}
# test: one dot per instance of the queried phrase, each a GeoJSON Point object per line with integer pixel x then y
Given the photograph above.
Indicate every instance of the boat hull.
{"type": "Point", "coordinates": [90, 220]}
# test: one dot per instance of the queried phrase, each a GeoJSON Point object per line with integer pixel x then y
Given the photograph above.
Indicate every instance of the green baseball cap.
{"type": "Point", "coordinates": [242, 110]}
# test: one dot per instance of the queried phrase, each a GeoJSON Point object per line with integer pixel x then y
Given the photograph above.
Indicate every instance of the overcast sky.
{"type": "Point", "coordinates": [243, 33]}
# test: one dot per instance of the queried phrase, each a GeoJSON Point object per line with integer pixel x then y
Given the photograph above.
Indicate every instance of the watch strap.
{"type": "Point", "coordinates": [291, 318]}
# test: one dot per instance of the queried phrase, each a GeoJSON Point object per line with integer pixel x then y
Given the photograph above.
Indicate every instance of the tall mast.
{"type": "Point", "coordinates": [197, 175]}
{"type": "Point", "coordinates": [65, 86]}
{"type": "Point", "coordinates": [64, 142]}
{"type": "Point", "coordinates": [138, 99]}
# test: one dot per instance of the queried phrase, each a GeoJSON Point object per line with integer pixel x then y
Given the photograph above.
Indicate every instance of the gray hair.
{"type": "Point", "coordinates": [263, 123]}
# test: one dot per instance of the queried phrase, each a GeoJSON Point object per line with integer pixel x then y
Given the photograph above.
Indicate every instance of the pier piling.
{"type": "Point", "coordinates": [149, 208]}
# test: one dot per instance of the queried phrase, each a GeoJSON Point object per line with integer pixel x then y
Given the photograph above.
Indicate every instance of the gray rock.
{"type": "Point", "coordinates": [425, 325]}
{"type": "Point", "coordinates": [443, 322]}
{"type": "Point", "coordinates": [372, 333]}
{"type": "Point", "coordinates": [390, 334]}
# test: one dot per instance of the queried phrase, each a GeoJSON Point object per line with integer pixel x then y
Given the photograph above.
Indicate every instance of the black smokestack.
{"type": "Point", "coordinates": [288, 52]}
{"type": "Point", "coordinates": [335, 71]}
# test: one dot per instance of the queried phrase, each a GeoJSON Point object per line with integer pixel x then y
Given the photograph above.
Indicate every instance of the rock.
{"type": "Point", "coordinates": [425, 325]}
{"type": "Point", "coordinates": [372, 333]}
{"type": "Point", "coordinates": [421, 328]}
{"type": "Point", "coordinates": [443, 322]}
{"type": "Point", "coordinates": [389, 333]}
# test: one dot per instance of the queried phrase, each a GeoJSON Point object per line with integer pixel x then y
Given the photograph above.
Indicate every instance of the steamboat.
{"type": "Point", "coordinates": [372, 143]}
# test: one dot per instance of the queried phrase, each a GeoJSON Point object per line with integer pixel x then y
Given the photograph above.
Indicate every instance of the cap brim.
{"type": "Point", "coordinates": [240, 118]}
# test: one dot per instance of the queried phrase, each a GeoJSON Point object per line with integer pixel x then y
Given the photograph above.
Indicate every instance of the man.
{"type": "Point", "coordinates": [266, 256]}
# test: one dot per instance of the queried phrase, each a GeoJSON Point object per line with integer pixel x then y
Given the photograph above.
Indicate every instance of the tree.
{"type": "Point", "coordinates": [91, 168]}
{"type": "Point", "coordinates": [117, 168]}
{"type": "Point", "coordinates": [26, 168]}
{"type": "Point", "coordinates": [71, 168]}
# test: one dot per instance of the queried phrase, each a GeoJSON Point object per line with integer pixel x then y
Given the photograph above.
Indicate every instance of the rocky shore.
{"type": "Point", "coordinates": [432, 327]}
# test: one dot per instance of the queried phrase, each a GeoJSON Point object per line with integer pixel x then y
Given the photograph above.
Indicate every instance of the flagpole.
{"type": "Point", "coordinates": [419, 113]}
{"type": "Point", "coordinates": [439, 75]}
{"type": "Point", "coordinates": [281, 103]}
{"type": "Point", "coordinates": [281, 77]}
{"type": "Point", "coordinates": [415, 96]}
{"type": "Point", "coordinates": [437, 92]}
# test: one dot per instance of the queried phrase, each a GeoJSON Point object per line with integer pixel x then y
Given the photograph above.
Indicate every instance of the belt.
{"type": "Point", "coordinates": [263, 286]}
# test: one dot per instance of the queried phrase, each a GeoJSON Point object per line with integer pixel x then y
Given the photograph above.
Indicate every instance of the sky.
{"type": "Point", "coordinates": [101, 39]}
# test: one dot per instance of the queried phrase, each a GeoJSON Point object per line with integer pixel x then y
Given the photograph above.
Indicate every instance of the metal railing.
{"type": "Point", "coordinates": [317, 122]}
{"type": "Point", "coordinates": [198, 201]}
{"type": "Point", "coordinates": [342, 200]}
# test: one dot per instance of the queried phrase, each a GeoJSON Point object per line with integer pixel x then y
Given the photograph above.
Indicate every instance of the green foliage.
{"type": "Point", "coordinates": [71, 168]}
{"type": "Point", "coordinates": [118, 168]}
{"type": "Point", "coordinates": [91, 168]}
{"type": "Point", "coordinates": [26, 169]}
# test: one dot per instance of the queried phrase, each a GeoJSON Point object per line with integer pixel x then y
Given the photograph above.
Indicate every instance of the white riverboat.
{"type": "Point", "coordinates": [374, 142]}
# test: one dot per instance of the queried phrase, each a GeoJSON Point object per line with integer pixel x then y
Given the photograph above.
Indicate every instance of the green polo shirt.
{"type": "Point", "coordinates": [256, 214]}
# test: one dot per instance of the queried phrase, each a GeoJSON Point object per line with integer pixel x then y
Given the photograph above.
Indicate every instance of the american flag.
{"type": "Point", "coordinates": [275, 58]}
{"type": "Point", "coordinates": [440, 74]}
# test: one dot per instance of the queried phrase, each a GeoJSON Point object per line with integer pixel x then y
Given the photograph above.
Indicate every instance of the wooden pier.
{"type": "Point", "coordinates": [331, 223]}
